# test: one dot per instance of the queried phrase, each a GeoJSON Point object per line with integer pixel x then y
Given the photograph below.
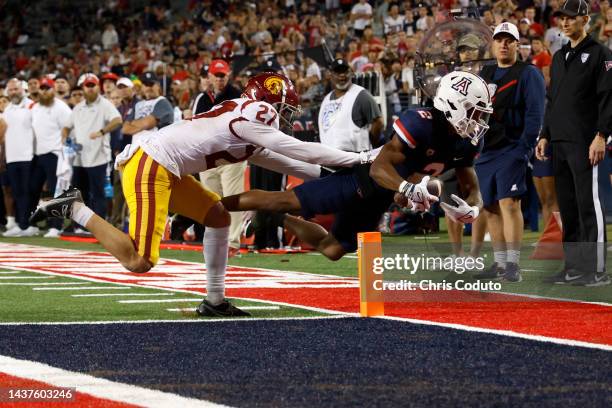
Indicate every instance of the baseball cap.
{"type": "Point", "coordinates": [525, 21]}
{"type": "Point", "coordinates": [507, 28]}
{"type": "Point", "coordinates": [88, 78]}
{"type": "Point", "coordinates": [148, 77]}
{"type": "Point", "coordinates": [573, 8]}
{"type": "Point", "coordinates": [110, 75]}
{"type": "Point", "coordinates": [46, 81]}
{"type": "Point", "coordinates": [219, 66]}
{"type": "Point", "coordinates": [469, 41]}
{"type": "Point", "coordinates": [125, 82]}
{"type": "Point", "coordinates": [340, 65]}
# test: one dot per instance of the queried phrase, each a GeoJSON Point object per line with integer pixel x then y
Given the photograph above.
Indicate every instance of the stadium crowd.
{"type": "Point", "coordinates": [99, 62]}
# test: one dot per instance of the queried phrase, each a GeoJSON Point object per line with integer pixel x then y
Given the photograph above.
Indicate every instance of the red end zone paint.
{"type": "Point", "coordinates": [564, 320]}
{"type": "Point", "coordinates": [80, 399]}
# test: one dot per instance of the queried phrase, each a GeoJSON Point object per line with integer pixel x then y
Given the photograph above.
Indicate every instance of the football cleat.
{"type": "Point", "coordinates": [592, 280]}
{"type": "Point", "coordinates": [563, 277]}
{"type": "Point", "coordinates": [512, 273]}
{"type": "Point", "coordinates": [223, 309]}
{"type": "Point", "coordinates": [59, 207]}
{"type": "Point", "coordinates": [494, 272]}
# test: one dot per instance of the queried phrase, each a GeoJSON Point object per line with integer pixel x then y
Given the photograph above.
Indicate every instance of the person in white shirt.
{"type": "Point", "coordinates": [394, 22]}
{"type": "Point", "coordinates": [91, 121]}
{"type": "Point", "coordinates": [349, 118]}
{"type": "Point", "coordinates": [49, 116]}
{"type": "Point", "coordinates": [19, 146]}
{"type": "Point", "coordinates": [157, 178]}
{"type": "Point", "coordinates": [361, 16]}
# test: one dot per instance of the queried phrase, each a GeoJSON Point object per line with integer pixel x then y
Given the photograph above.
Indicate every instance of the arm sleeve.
{"type": "Point", "coordinates": [163, 112]}
{"type": "Point", "coordinates": [365, 109]}
{"type": "Point", "coordinates": [110, 112]}
{"type": "Point", "coordinates": [534, 90]}
{"type": "Point", "coordinates": [285, 165]}
{"type": "Point", "coordinates": [604, 90]}
{"type": "Point", "coordinates": [275, 140]}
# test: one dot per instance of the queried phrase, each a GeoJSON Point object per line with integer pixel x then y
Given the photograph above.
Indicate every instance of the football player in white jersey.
{"type": "Point", "coordinates": [156, 178]}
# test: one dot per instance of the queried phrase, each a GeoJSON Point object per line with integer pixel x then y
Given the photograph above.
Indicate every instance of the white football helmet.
{"type": "Point", "coordinates": [465, 100]}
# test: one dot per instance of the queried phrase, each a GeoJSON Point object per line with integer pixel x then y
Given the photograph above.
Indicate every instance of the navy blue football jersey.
{"type": "Point", "coordinates": [431, 146]}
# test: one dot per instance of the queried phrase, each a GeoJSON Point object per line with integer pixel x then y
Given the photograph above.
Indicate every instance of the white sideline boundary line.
{"type": "Point", "coordinates": [190, 321]}
{"type": "Point", "coordinates": [41, 283]}
{"type": "Point", "coordinates": [121, 294]}
{"type": "Point", "coordinates": [191, 309]}
{"type": "Point", "coordinates": [26, 277]}
{"type": "Point", "coordinates": [98, 387]}
{"type": "Point", "coordinates": [507, 333]}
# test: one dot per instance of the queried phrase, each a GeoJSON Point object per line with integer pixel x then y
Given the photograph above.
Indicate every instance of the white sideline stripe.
{"type": "Point", "coordinates": [213, 320]}
{"type": "Point", "coordinates": [98, 387]}
{"type": "Point", "coordinates": [87, 288]}
{"type": "Point", "coordinates": [187, 309]}
{"type": "Point", "coordinates": [160, 300]}
{"type": "Point", "coordinates": [40, 283]}
{"type": "Point", "coordinates": [9, 272]}
{"type": "Point", "coordinates": [122, 294]}
{"type": "Point", "coordinates": [27, 277]}
{"type": "Point", "coordinates": [508, 333]}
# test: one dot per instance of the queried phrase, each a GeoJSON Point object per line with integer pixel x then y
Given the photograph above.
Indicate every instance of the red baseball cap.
{"type": "Point", "coordinates": [110, 75]}
{"type": "Point", "coordinates": [88, 78]}
{"type": "Point", "coordinates": [219, 66]}
{"type": "Point", "coordinates": [46, 81]}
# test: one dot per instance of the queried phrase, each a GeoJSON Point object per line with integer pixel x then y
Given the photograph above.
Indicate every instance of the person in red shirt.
{"type": "Point", "coordinates": [541, 57]}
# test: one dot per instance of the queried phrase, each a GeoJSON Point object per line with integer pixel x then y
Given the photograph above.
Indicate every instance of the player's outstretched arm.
{"type": "Point", "coordinates": [279, 142]}
{"type": "Point", "coordinates": [281, 164]}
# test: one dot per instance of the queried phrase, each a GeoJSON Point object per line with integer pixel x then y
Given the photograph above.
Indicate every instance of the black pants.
{"type": "Point", "coordinates": [268, 180]}
{"type": "Point", "coordinates": [582, 213]}
{"type": "Point", "coordinates": [90, 180]}
{"type": "Point", "coordinates": [18, 174]}
{"type": "Point", "coordinates": [44, 168]}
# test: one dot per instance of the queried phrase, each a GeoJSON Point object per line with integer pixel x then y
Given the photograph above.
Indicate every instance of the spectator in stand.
{"type": "Point", "coordinates": [92, 120]}
{"type": "Point", "coordinates": [152, 113]}
{"type": "Point", "coordinates": [554, 39]}
{"type": "Point", "coordinates": [394, 22]}
{"type": "Point", "coordinates": [76, 96]}
{"type": "Point", "coordinates": [541, 58]}
{"type": "Point", "coordinates": [110, 38]}
{"type": "Point", "coordinates": [228, 179]}
{"type": "Point", "coordinates": [18, 141]}
{"type": "Point", "coordinates": [361, 17]}
{"type": "Point", "coordinates": [62, 88]}
{"type": "Point", "coordinates": [49, 116]}
{"type": "Point", "coordinates": [109, 83]}
{"type": "Point", "coordinates": [33, 87]}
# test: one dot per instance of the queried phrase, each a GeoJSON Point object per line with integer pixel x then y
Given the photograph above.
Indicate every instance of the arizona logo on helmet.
{"type": "Point", "coordinates": [274, 84]}
{"type": "Point", "coordinates": [462, 86]}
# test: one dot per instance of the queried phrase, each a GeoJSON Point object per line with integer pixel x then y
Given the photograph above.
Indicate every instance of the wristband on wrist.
{"type": "Point", "coordinates": [404, 186]}
{"type": "Point", "coordinates": [101, 131]}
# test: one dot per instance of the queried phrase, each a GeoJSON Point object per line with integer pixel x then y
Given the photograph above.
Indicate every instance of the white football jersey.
{"type": "Point", "coordinates": [231, 132]}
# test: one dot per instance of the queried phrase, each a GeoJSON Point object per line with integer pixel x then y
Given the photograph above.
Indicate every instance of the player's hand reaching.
{"type": "Point", "coordinates": [422, 194]}
{"type": "Point", "coordinates": [368, 156]}
{"type": "Point", "coordinates": [463, 213]}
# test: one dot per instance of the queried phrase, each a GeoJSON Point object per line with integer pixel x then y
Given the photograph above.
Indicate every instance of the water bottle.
{"type": "Point", "coordinates": [108, 185]}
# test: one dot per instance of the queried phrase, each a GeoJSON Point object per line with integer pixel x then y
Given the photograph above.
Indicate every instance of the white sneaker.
{"type": "Point", "coordinates": [30, 232]}
{"type": "Point", "coordinates": [10, 223]}
{"type": "Point", "coordinates": [52, 233]}
{"type": "Point", "coordinates": [487, 237]}
{"type": "Point", "coordinates": [81, 231]}
{"type": "Point", "coordinates": [13, 232]}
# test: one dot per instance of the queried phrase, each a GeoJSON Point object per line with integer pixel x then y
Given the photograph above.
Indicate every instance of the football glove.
{"type": "Point", "coordinates": [462, 213]}
{"type": "Point", "coordinates": [368, 156]}
{"type": "Point", "coordinates": [419, 195]}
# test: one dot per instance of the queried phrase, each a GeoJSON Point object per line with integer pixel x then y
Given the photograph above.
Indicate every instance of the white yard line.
{"type": "Point", "coordinates": [87, 288]}
{"type": "Point", "coordinates": [42, 283]}
{"type": "Point", "coordinates": [27, 277]}
{"type": "Point", "coordinates": [160, 300]}
{"type": "Point", "coordinates": [98, 387]}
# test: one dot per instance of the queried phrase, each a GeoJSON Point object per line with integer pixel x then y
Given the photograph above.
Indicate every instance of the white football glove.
{"type": "Point", "coordinates": [368, 156]}
{"type": "Point", "coordinates": [462, 213]}
{"type": "Point", "coordinates": [418, 194]}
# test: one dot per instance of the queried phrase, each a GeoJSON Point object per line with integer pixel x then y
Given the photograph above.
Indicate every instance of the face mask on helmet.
{"type": "Point", "coordinates": [466, 103]}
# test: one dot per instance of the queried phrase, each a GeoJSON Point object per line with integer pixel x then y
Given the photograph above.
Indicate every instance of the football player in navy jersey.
{"type": "Point", "coordinates": [426, 142]}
